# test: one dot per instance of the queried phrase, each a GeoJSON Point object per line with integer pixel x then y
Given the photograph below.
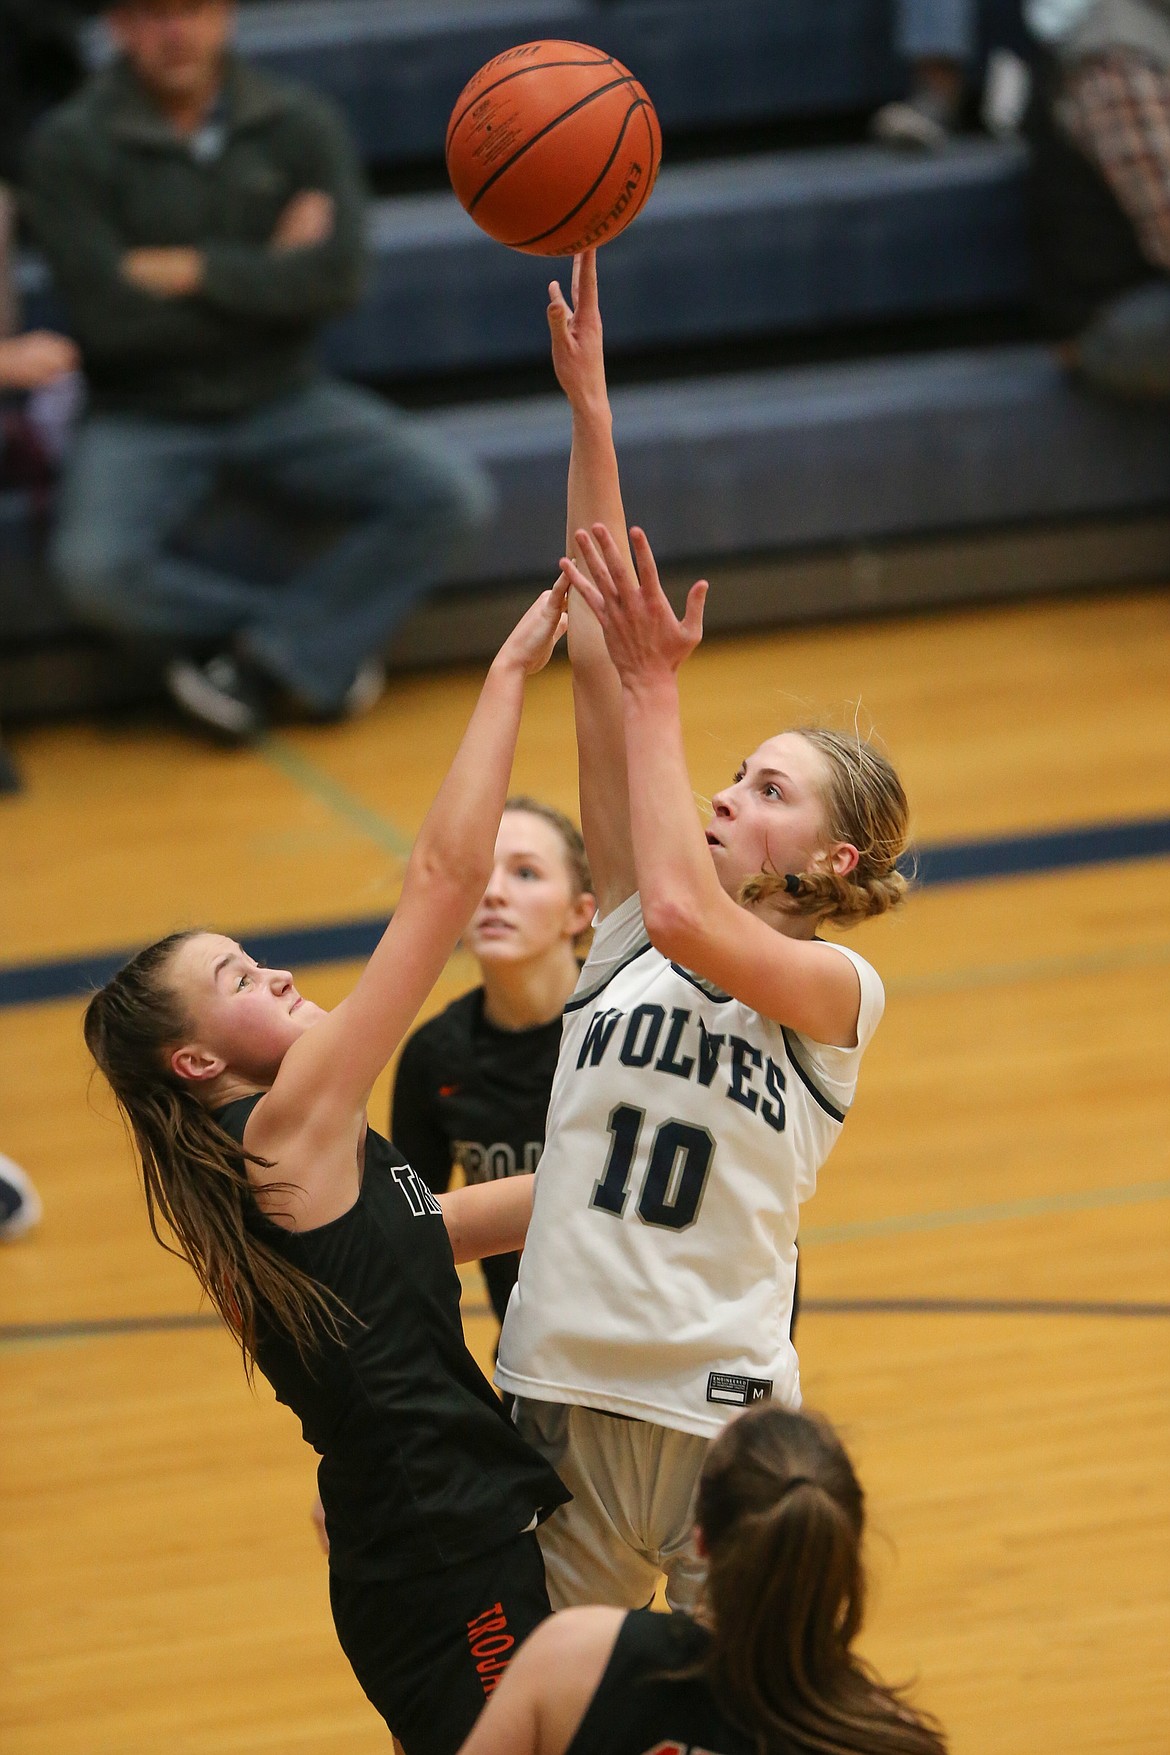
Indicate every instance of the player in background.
{"type": "Point", "coordinates": [473, 1083]}
{"type": "Point", "coordinates": [708, 1058]}
{"type": "Point", "coordinates": [333, 1264]}
{"type": "Point", "coordinates": [770, 1668]}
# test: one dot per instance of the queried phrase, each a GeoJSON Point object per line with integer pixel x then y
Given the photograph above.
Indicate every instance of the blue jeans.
{"type": "Point", "coordinates": [947, 29]}
{"type": "Point", "coordinates": [132, 480]}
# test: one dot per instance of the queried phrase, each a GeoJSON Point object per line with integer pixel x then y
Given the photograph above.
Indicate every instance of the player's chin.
{"type": "Point", "coordinates": [501, 948]}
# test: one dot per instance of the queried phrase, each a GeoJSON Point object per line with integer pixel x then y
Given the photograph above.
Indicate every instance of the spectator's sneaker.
{"type": "Point", "coordinates": [924, 122]}
{"type": "Point", "coordinates": [223, 695]}
{"type": "Point", "coordinates": [20, 1204]}
{"type": "Point", "coordinates": [366, 689]}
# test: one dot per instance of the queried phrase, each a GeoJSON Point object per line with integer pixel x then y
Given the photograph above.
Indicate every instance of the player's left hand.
{"type": "Point", "coordinates": [643, 635]}
{"type": "Point", "coordinates": [530, 644]}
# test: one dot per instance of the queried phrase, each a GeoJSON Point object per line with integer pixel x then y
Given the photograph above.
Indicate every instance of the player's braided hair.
{"type": "Point", "coordinates": [864, 805]}
{"type": "Point", "coordinates": [781, 1513]}
{"type": "Point", "coordinates": [194, 1173]}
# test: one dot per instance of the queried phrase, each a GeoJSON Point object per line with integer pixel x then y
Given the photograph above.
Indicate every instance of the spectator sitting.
{"type": "Point", "coordinates": [202, 220]}
{"type": "Point", "coordinates": [1101, 148]}
{"type": "Point", "coordinates": [40, 64]}
{"type": "Point", "coordinates": [27, 362]}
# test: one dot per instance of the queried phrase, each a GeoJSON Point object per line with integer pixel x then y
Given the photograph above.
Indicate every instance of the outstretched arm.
{"type": "Point", "coordinates": [317, 1103]}
{"type": "Point", "coordinates": [689, 916]}
{"type": "Point", "coordinates": [488, 1218]}
{"type": "Point", "coordinates": [594, 495]}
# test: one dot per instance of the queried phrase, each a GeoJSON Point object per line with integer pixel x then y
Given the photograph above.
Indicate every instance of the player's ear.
{"type": "Point", "coordinates": [196, 1065]}
{"type": "Point", "coordinates": [701, 1547]}
{"type": "Point", "coordinates": [843, 858]}
{"type": "Point", "coordinates": [580, 916]}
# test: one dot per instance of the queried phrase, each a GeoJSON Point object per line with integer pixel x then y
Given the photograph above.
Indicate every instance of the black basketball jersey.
{"type": "Point", "coordinates": [420, 1465]}
{"type": "Point", "coordinates": [642, 1708]}
{"type": "Point", "coordinates": [472, 1094]}
{"type": "Point", "coordinates": [468, 1093]}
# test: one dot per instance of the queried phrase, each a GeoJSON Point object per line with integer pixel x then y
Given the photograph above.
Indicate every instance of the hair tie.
{"type": "Point", "coordinates": [792, 883]}
{"type": "Point", "coordinates": [796, 1481]}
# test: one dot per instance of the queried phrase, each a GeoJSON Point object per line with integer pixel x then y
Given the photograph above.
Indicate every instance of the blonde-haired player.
{"type": "Point", "coordinates": [708, 1060]}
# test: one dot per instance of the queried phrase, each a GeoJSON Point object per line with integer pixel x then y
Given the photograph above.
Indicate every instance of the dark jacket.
{"type": "Point", "coordinates": [106, 173]}
{"type": "Point", "coordinates": [40, 64]}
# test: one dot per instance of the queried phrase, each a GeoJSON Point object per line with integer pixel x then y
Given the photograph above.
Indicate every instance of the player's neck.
{"type": "Point", "coordinates": [522, 996]}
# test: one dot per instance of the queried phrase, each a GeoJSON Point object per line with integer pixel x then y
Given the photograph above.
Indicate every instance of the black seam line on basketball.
{"type": "Point", "coordinates": [648, 185]}
{"type": "Point", "coordinates": [638, 104]}
{"type": "Point", "coordinates": [580, 999]}
{"type": "Point", "coordinates": [652, 154]}
{"type": "Point", "coordinates": [829, 1107]}
{"type": "Point", "coordinates": [518, 73]}
{"type": "Point", "coordinates": [581, 104]}
{"type": "Point", "coordinates": [525, 243]}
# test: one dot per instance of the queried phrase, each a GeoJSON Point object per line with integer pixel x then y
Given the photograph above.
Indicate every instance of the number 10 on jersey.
{"type": "Point", "coordinates": [676, 1170]}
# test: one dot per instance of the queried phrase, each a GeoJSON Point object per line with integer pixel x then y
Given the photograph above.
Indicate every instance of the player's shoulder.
{"type": "Point", "coordinates": [574, 1636]}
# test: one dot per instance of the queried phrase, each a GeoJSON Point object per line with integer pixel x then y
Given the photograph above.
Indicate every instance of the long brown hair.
{"type": "Point", "coordinates": [194, 1173]}
{"type": "Point", "coordinates": [781, 1512]}
{"type": "Point", "coordinates": [864, 804]}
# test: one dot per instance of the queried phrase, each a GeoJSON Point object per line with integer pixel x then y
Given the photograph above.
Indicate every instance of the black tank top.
{"type": "Point", "coordinates": [470, 1093]}
{"type": "Point", "coordinates": [641, 1709]}
{"type": "Point", "coordinates": [420, 1465]}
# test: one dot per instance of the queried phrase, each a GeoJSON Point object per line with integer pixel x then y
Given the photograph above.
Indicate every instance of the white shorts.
{"type": "Point", "coordinates": [631, 1520]}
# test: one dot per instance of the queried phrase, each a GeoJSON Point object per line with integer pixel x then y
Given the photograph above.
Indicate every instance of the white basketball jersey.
{"type": "Point", "coordinates": [683, 1132]}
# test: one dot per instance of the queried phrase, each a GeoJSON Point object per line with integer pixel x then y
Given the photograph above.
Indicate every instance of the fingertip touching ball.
{"type": "Point", "coordinates": [553, 147]}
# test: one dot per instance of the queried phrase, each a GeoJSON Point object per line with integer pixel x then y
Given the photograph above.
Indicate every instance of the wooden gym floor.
{"type": "Point", "coordinates": [985, 1264]}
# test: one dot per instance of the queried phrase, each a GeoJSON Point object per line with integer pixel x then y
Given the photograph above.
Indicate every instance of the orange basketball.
{"type": "Point", "coordinates": [553, 147]}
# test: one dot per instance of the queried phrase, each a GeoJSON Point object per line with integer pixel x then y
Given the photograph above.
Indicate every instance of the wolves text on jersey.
{"type": "Point", "coordinates": [685, 1049]}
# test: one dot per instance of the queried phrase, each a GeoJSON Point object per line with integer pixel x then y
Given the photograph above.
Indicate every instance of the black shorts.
{"type": "Point", "coordinates": [428, 1654]}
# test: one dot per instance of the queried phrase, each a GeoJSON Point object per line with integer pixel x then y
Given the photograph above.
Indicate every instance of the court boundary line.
{"type": "Point", "coordinates": [994, 1212]}
{"type": "Point", "coordinates": [113, 1327]}
{"type": "Point", "coordinates": [42, 981]}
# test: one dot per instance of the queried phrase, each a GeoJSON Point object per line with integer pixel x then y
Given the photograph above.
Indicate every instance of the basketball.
{"type": "Point", "coordinates": [553, 147]}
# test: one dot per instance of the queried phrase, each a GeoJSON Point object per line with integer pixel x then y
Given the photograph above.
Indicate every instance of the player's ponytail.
{"type": "Point", "coordinates": [781, 1513]}
{"type": "Point", "coordinates": [865, 805]}
{"type": "Point", "coordinates": [193, 1172]}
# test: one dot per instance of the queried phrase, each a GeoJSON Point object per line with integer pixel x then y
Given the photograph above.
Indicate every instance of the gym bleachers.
{"type": "Point", "coordinates": [397, 66]}
{"type": "Point", "coordinates": [778, 242]}
{"type": "Point", "coordinates": [917, 466]}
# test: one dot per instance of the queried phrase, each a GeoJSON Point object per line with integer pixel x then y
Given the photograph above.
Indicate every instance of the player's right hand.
{"type": "Point", "coordinates": [577, 352]}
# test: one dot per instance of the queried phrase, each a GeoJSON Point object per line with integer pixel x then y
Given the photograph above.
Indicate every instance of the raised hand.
{"type": "Point", "coordinates": [643, 635]}
{"type": "Point", "coordinates": [578, 358]}
{"type": "Point", "coordinates": [530, 644]}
